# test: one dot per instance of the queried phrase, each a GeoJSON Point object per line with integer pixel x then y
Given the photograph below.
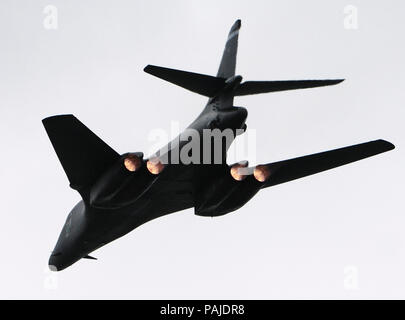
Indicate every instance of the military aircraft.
{"type": "Point", "coordinates": [122, 192]}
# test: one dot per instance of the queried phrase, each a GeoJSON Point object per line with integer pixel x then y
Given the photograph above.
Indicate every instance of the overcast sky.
{"type": "Point", "coordinates": [338, 234]}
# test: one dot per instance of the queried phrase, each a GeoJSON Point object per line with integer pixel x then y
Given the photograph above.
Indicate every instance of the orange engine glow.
{"type": "Point", "coordinates": [132, 163]}
{"type": "Point", "coordinates": [238, 171]}
{"type": "Point", "coordinates": [261, 173]}
{"type": "Point", "coordinates": [155, 166]}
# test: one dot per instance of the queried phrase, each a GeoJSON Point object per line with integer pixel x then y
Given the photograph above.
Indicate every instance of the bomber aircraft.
{"type": "Point", "coordinates": [121, 192]}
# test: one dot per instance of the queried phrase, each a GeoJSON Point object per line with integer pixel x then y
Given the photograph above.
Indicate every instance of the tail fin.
{"type": "Point", "coordinates": [199, 83]}
{"type": "Point", "coordinates": [255, 87]}
{"type": "Point", "coordinates": [83, 155]}
{"type": "Point", "coordinates": [211, 86]}
{"type": "Point", "coordinates": [228, 61]}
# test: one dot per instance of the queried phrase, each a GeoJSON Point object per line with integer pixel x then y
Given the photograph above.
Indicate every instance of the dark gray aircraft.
{"type": "Point", "coordinates": [121, 192]}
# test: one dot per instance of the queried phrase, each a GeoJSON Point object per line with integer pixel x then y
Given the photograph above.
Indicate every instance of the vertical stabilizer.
{"type": "Point", "coordinates": [228, 61]}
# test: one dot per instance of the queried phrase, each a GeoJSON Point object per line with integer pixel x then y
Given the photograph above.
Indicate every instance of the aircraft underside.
{"type": "Point", "coordinates": [121, 192]}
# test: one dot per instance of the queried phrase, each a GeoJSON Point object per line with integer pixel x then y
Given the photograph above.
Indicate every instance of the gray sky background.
{"type": "Point", "coordinates": [295, 240]}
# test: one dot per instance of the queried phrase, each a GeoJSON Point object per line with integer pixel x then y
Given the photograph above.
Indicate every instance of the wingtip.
{"type": "Point", "coordinates": [336, 81]}
{"type": "Point", "coordinates": [387, 145]}
{"type": "Point", "coordinates": [59, 116]}
{"type": "Point", "coordinates": [236, 25]}
{"type": "Point", "coordinates": [147, 68]}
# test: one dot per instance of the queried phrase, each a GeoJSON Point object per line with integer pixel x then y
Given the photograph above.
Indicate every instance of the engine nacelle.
{"type": "Point", "coordinates": [123, 183]}
{"type": "Point", "coordinates": [228, 192]}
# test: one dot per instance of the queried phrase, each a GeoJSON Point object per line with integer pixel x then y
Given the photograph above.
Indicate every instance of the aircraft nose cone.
{"type": "Point", "coordinates": [53, 268]}
{"type": "Point", "coordinates": [54, 262]}
{"type": "Point", "coordinates": [69, 247]}
{"type": "Point", "coordinates": [61, 260]}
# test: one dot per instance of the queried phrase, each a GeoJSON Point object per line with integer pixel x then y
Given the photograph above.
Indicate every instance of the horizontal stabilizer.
{"type": "Point", "coordinates": [292, 169]}
{"type": "Point", "coordinates": [199, 83]}
{"type": "Point", "coordinates": [83, 155]}
{"type": "Point", "coordinates": [255, 87]}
